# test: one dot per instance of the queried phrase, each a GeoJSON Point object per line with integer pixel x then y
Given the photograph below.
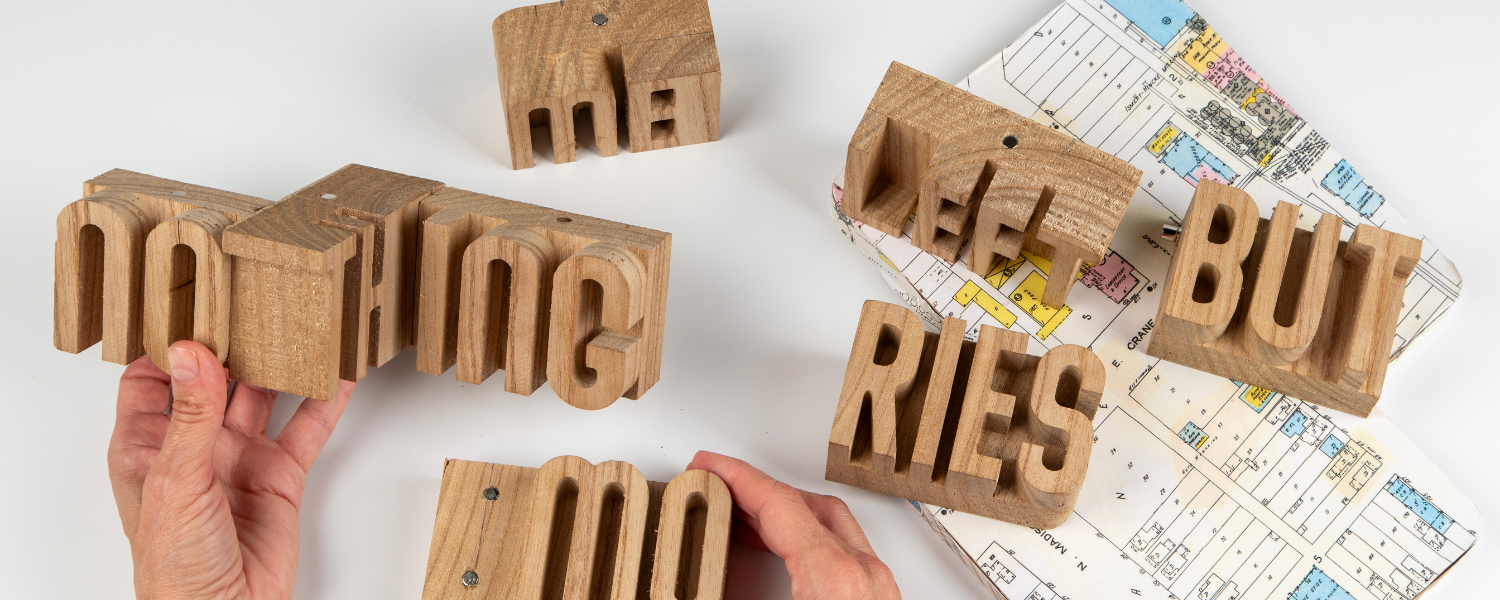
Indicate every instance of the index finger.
{"type": "Point", "coordinates": [776, 510]}
{"type": "Point", "coordinates": [144, 389]}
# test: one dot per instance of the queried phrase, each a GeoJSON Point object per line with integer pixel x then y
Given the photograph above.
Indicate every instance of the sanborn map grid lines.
{"type": "Point", "coordinates": [1199, 487]}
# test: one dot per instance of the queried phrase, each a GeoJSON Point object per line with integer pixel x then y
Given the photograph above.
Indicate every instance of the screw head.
{"type": "Point", "coordinates": [179, 193]}
{"type": "Point", "coordinates": [1010, 141]}
{"type": "Point", "coordinates": [491, 493]}
{"type": "Point", "coordinates": [470, 579]}
{"type": "Point", "coordinates": [601, 19]}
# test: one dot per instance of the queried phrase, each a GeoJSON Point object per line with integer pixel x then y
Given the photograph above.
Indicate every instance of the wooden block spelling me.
{"type": "Point", "coordinates": [297, 294]}
{"type": "Point", "coordinates": [591, 64]}
{"type": "Point", "coordinates": [573, 530]}
{"type": "Point", "coordinates": [979, 427]}
{"type": "Point", "coordinates": [971, 170]}
{"type": "Point", "coordinates": [1290, 310]}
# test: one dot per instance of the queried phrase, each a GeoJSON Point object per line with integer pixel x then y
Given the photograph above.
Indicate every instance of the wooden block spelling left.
{"type": "Point", "coordinates": [982, 428]}
{"type": "Point", "coordinates": [298, 294]}
{"type": "Point", "coordinates": [573, 530]}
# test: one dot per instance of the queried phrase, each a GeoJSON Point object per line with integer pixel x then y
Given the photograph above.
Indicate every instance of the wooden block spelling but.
{"type": "Point", "coordinates": [980, 427]}
{"type": "Point", "coordinates": [298, 294]}
{"type": "Point", "coordinates": [649, 64]}
{"type": "Point", "coordinates": [970, 169]}
{"type": "Point", "coordinates": [573, 530]}
{"type": "Point", "coordinates": [1293, 311]}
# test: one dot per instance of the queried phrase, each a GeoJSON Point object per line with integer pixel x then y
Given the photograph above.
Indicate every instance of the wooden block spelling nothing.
{"type": "Point", "coordinates": [1290, 310]}
{"type": "Point", "coordinates": [591, 64]}
{"type": "Point", "coordinates": [971, 170]}
{"type": "Point", "coordinates": [979, 427]}
{"type": "Point", "coordinates": [297, 294]}
{"type": "Point", "coordinates": [574, 530]}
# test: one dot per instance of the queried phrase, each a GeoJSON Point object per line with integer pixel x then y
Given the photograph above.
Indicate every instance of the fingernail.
{"type": "Point", "coordinates": [184, 364]}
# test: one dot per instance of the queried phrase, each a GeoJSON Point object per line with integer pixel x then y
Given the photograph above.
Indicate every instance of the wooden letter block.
{"type": "Point", "coordinates": [974, 172]}
{"type": "Point", "coordinates": [649, 64]}
{"type": "Point", "coordinates": [575, 530]}
{"type": "Point", "coordinates": [298, 294]}
{"type": "Point", "coordinates": [1294, 311]}
{"type": "Point", "coordinates": [980, 427]}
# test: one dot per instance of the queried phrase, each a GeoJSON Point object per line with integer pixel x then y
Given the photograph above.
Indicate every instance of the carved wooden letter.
{"type": "Point", "coordinates": [186, 293]}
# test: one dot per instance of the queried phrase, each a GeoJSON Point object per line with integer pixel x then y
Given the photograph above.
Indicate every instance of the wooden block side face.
{"type": "Point", "coordinates": [999, 433]}
{"type": "Point", "coordinates": [667, 113]}
{"type": "Point", "coordinates": [692, 543]}
{"type": "Point", "coordinates": [478, 530]}
{"type": "Point", "coordinates": [1312, 318]}
{"type": "Point", "coordinates": [186, 285]}
{"type": "Point", "coordinates": [286, 328]}
{"type": "Point", "coordinates": [184, 196]}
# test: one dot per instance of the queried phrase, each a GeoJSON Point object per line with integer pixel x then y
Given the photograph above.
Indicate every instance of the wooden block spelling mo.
{"type": "Point", "coordinates": [297, 294]}
{"type": "Point", "coordinates": [575, 530]}
{"type": "Point", "coordinates": [1290, 310]}
{"type": "Point", "coordinates": [982, 428]}
{"type": "Point", "coordinates": [590, 62]}
{"type": "Point", "coordinates": [974, 170]}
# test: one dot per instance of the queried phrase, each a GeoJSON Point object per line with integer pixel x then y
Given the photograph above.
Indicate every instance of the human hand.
{"type": "Point", "coordinates": [208, 502]}
{"type": "Point", "coordinates": [826, 552]}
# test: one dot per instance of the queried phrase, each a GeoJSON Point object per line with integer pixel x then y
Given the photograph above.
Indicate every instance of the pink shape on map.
{"type": "Point", "coordinates": [1114, 277]}
{"type": "Point", "coordinates": [1223, 70]}
{"type": "Point", "coordinates": [1203, 172]}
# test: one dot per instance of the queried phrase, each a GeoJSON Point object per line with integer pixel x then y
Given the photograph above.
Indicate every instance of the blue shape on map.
{"type": "Point", "coordinates": [1185, 156]}
{"type": "Point", "coordinates": [1345, 183]}
{"type": "Point", "coordinates": [1419, 506]}
{"type": "Point", "coordinates": [1191, 434]}
{"type": "Point", "coordinates": [1331, 446]}
{"type": "Point", "coordinates": [1318, 586]}
{"type": "Point", "coordinates": [1295, 424]}
{"type": "Point", "coordinates": [1160, 19]}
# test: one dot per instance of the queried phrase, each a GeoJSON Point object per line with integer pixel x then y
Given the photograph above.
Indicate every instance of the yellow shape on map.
{"type": "Point", "coordinates": [888, 261]}
{"type": "Point", "coordinates": [1045, 265]}
{"type": "Point", "coordinates": [1201, 440]}
{"type": "Point", "coordinates": [1167, 134]}
{"type": "Point", "coordinates": [971, 292]}
{"type": "Point", "coordinates": [1028, 296]}
{"type": "Point", "coordinates": [1253, 93]}
{"type": "Point", "coordinates": [1265, 160]}
{"type": "Point", "coordinates": [1256, 397]}
{"type": "Point", "coordinates": [1200, 52]}
{"type": "Point", "coordinates": [1002, 272]}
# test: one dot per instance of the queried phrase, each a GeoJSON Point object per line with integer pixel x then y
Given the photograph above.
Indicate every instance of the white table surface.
{"type": "Point", "coordinates": [263, 98]}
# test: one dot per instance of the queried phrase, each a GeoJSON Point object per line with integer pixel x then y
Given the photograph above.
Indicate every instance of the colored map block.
{"type": "Point", "coordinates": [1028, 296]}
{"type": "Point", "coordinates": [1187, 154]}
{"type": "Point", "coordinates": [1349, 185]}
{"type": "Point", "coordinates": [1001, 272]}
{"type": "Point", "coordinates": [1256, 397]}
{"type": "Point", "coordinates": [1202, 52]}
{"type": "Point", "coordinates": [971, 292]}
{"type": "Point", "coordinates": [1318, 586]}
{"type": "Point", "coordinates": [1295, 425]}
{"type": "Point", "coordinates": [1160, 19]}
{"type": "Point", "coordinates": [1193, 435]}
{"type": "Point", "coordinates": [1332, 446]}
{"type": "Point", "coordinates": [1419, 505]}
{"type": "Point", "coordinates": [1163, 137]}
{"type": "Point", "coordinates": [1114, 277]}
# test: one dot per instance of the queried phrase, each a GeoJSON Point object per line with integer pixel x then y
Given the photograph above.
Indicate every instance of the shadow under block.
{"type": "Point", "coordinates": [971, 170]}
{"type": "Point", "coordinates": [980, 427]}
{"type": "Point", "coordinates": [651, 65]}
{"type": "Point", "coordinates": [1293, 311]}
{"type": "Point", "coordinates": [572, 530]}
{"type": "Point", "coordinates": [348, 272]}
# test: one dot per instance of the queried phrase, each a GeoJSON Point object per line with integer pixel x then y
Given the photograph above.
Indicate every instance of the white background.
{"type": "Point", "coordinates": [264, 97]}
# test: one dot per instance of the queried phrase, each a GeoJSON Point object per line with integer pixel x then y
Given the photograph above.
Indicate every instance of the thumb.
{"type": "Point", "coordinates": [198, 399]}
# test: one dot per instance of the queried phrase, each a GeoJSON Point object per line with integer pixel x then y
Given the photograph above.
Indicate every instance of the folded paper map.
{"type": "Point", "coordinates": [1199, 487]}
